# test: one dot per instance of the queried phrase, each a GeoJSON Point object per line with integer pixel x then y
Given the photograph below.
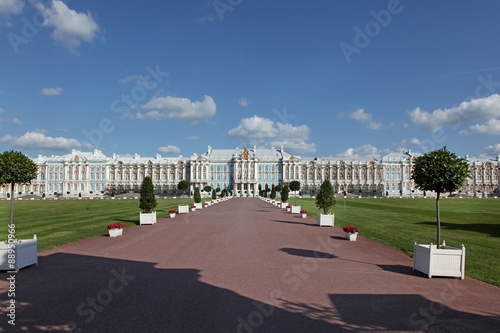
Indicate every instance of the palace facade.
{"type": "Point", "coordinates": [243, 171]}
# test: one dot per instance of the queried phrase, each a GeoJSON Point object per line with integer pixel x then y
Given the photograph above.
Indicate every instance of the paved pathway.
{"type": "Point", "coordinates": [241, 266]}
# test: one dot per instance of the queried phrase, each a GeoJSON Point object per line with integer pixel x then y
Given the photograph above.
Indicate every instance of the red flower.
{"type": "Point", "coordinates": [193, 206]}
{"type": "Point", "coordinates": [303, 211]}
{"type": "Point", "coordinates": [288, 206]}
{"type": "Point", "coordinates": [172, 211]}
{"type": "Point", "coordinates": [115, 226]}
{"type": "Point", "coordinates": [350, 229]}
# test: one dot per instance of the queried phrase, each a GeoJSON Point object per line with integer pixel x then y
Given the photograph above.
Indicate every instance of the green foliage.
{"type": "Point", "coordinates": [183, 185]}
{"type": "Point", "coordinates": [214, 195]}
{"type": "Point", "coordinates": [217, 190]}
{"type": "Point", "coordinates": [273, 193]}
{"type": "Point", "coordinates": [197, 195]}
{"type": "Point", "coordinates": [439, 171]}
{"type": "Point", "coordinates": [16, 168]}
{"type": "Point", "coordinates": [278, 188]}
{"type": "Point", "coordinates": [207, 188]}
{"type": "Point", "coordinates": [285, 193]}
{"type": "Point", "coordinates": [148, 200]}
{"type": "Point", "coordinates": [325, 199]}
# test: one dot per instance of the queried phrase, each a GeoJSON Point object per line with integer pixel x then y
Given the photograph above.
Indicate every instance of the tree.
{"type": "Point", "coordinates": [16, 168]}
{"type": "Point", "coordinates": [284, 193]}
{"type": "Point", "coordinates": [214, 195]}
{"type": "Point", "coordinates": [273, 193]}
{"type": "Point", "coordinates": [295, 186]}
{"type": "Point", "coordinates": [278, 188]}
{"type": "Point", "coordinates": [197, 195]}
{"type": "Point", "coordinates": [440, 171]}
{"type": "Point", "coordinates": [183, 186]}
{"type": "Point", "coordinates": [325, 199]}
{"type": "Point", "coordinates": [148, 200]}
{"type": "Point", "coordinates": [207, 188]}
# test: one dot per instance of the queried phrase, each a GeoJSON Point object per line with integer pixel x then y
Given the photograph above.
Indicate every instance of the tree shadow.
{"type": "Point", "coordinates": [136, 222]}
{"type": "Point", "coordinates": [293, 222]}
{"type": "Point", "coordinates": [394, 313]}
{"type": "Point", "coordinates": [490, 229]}
{"type": "Point", "coordinates": [68, 292]}
{"type": "Point", "coordinates": [308, 253]}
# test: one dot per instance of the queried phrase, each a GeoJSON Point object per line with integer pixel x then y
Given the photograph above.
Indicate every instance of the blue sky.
{"type": "Point", "coordinates": [327, 78]}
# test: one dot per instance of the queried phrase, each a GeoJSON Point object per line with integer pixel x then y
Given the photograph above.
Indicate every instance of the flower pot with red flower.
{"type": "Point", "coordinates": [303, 213]}
{"type": "Point", "coordinates": [288, 208]}
{"type": "Point", "coordinates": [193, 208]}
{"type": "Point", "coordinates": [351, 232]}
{"type": "Point", "coordinates": [115, 229]}
{"type": "Point", "coordinates": [172, 213]}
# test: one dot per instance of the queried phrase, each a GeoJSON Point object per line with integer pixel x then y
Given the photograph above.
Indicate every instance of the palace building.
{"type": "Point", "coordinates": [243, 171]}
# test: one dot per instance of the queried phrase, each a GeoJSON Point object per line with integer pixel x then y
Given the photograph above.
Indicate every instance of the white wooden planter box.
{"type": "Point", "coordinates": [26, 254]}
{"type": "Point", "coordinates": [295, 210]}
{"type": "Point", "coordinates": [448, 261]}
{"type": "Point", "coordinates": [115, 232]}
{"type": "Point", "coordinates": [198, 205]}
{"type": "Point", "coordinates": [183, 209]}
{"type": "Point", "coordinates": [351, 236]}
{"type": "Point", "coordinates": [148, 218]}
{"type": "Point", "coordinates": [327, 220]}
{"type": "Point", "coordinates": [172, 215]}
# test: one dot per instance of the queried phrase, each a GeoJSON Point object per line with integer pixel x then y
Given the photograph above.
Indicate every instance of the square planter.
{"type": "Point", "coordinates": [26, 254]}
{"type": "Point", "coordinates": [172, 215]}
{"type": "Point", "coordinates": [327, 220]}
{"type": "Point", "coordinates": [193, 209]}
{"type": "Point", "coordinates": [115, 232]}
{"type": "Point", "coordinates": [198, 205]}
{"type": "Point", "coordinates": [303, 215]}
{"type": "Point", "coordinates": [447, 261]}
{"type": "Point", "coordinates": [351, 236]}
{"type": "Point", "coordinates": [183, 209]}
{"type": "Point", "coordinates": [148, 218]}
{"type": "Point", "coordinates": [295, 210]}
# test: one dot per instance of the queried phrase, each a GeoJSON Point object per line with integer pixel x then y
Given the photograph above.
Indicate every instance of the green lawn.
{"type": "Point", "coordinates": [57, 222]}
{"type": "Point", "coordinates": [398, 222]}
{"type": "Point", "coordinates": [395, 222]}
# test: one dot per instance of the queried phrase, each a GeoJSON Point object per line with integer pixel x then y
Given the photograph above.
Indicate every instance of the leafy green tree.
{"type": "Point", "coordinates": [183, 186]}
{"type": "Point", "coordinates": [278, 188]}
{"type": "Point", "coordinates": [197, 195]}
{"type": "Point", "coordinates": [207, 188]}
{"type": "Point", "coordinates": [440, 171]}
{"type": "Point", "coordinates": [325, 199]}
{"type": "Point", "coordinates": [273, 193]}
{"type": "Point", "coordinates": [295, 186]}
{"type": "Point", "coordinates": [16, 168]}
{"type": "Point", "coordinates": [148, 200]}
{"type": "Point", "coordinates": [285, 193]}
{"type": "Point", "coordinates": [214, 195]}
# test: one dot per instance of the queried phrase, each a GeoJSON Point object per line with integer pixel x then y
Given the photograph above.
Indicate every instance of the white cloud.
{"type": "Point", "coordinates": [52, 91]}
{"type": "Point", "coordinates": [363, 117]}
{"type": "Point", "coordinates": [243, 101]}
{"type": "Point", "coordinates": [179, 109]}
{"type": "Point", "coordinates": [191, 137]}
{"type": "Point", "coordinates": [2, 111]}
{"type": "Point", "coordinates": [39, 141]}
{"type": "Point", "coordinates": [8, 7]}
{"type": "Point", "coordinates": [406, 125]}
{"type": "Point", "coordinates": [169, 149]}
{"type": "Point", "coordinates": [255, 127]}
{"type": "Point", "coordinates": [366, 151]}
{"type": "Point", "coordinates": [40, 130]}
{"type": "Point", "coordinates": [70, 27]}
{"type": "Point", "coordinates": [204, 19]}
{"type": "Point", "coordinates": [415, 141]}
{"type": "Point", "coordinates": [493, 149]}
{"type": "Point", "coordinates": [16, 121]}
{"type": "Point", "coordinates": [475, 110]}
{"type": "Point", "coordinates": [292, 138]}
{"type": "Point", "coordinates": [491, 127]}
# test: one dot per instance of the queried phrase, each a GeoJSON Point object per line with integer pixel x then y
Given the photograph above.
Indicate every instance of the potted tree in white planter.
{"type": "Point", "coordinates": [147, 202]}
{"type": "Point", "coordinates": [197, 198]}
{"type": "Point", "coordinates": [183, 186]}
{"type": "Point", "coordinates": [325, 200]}
{"type": "Point", "coordinates": [17, 168]}
{"type": "Point", "coordinates": [285, 192]}
{"type": "Point", "coordinates": [295, 186]}
{"type": "Point", "coordinates": [440, 171]}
